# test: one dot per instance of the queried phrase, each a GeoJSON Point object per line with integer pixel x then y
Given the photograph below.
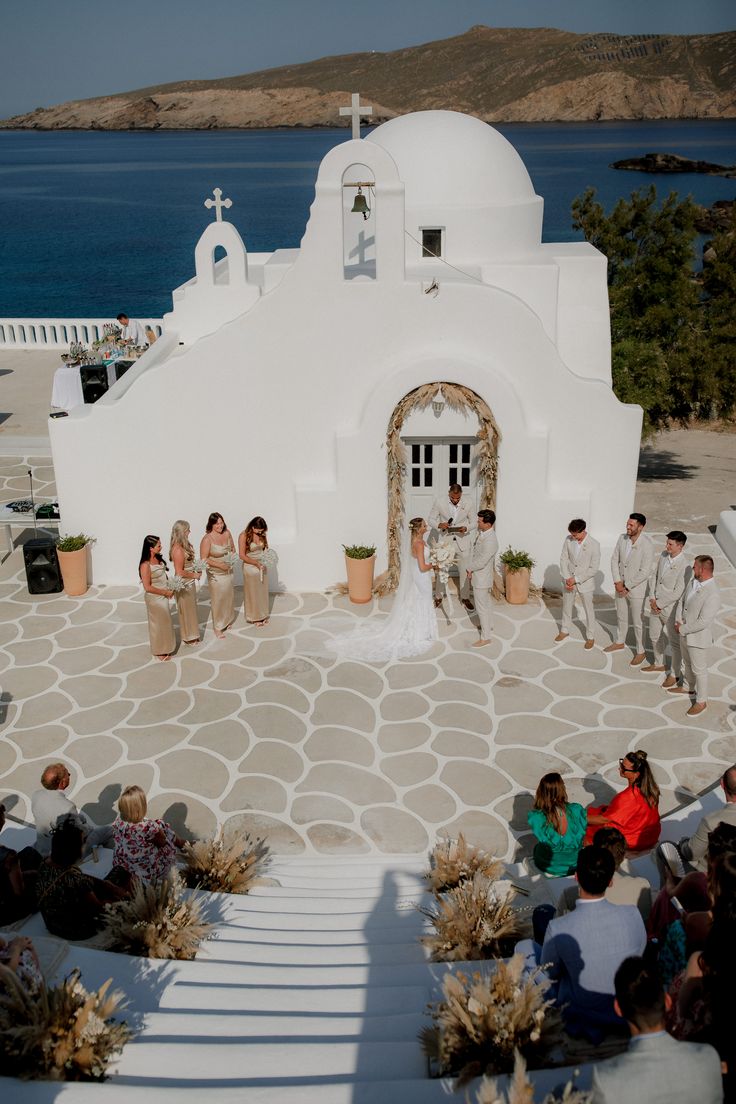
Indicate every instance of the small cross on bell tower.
{"type": "Point", "coordinates": [218, 203]}
{"type": "Point", "coordinates": [355, 111]}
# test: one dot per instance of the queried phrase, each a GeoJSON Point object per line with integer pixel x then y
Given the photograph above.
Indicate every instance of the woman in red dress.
{"type": "Point", "coordinates": [635, 811]}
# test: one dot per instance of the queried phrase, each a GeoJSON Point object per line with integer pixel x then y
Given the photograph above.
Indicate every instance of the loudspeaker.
{"type": "Point", "coordinates": [121, 367]}
{"type": "Point", "coordinates": [42, 566]}
{"type": "Point", "coordinates": [94, 381]}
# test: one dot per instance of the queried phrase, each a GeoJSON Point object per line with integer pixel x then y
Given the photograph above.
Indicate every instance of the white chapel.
{"type": "Point", "coordinates": [294, 384]}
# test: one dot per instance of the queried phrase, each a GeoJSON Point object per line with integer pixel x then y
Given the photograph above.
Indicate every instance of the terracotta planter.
{"type": "Point", "coordinates": [517, 586]}
{"type": "Point", "coordinates": [73, 567]}
{"type": "Point", "coordinates": [360, 579]}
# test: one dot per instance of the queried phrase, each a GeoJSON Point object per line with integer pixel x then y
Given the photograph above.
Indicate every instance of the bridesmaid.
{"type": "Point", "coordinates": [182, 557]}
{"type": "Point", "coordinates": [215, 545]}
{"type": "Point", "coordinates": [152, 571]}
{"type": "Point", "coordinates": [252, 543]}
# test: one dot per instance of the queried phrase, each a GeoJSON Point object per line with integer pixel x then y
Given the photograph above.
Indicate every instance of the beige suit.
{"type": "Point", "coordinates": [482, 560]}
{"type": "Point", "coordinates": [634, 572]}
{"type": "Point", "coordinates": [582, 568]}
{"type": "Point", "coordinates": [464, 514]}
{"type": "Point", "coordinates": [696, 612]}
{"type": "Point", "coordinates": [671, 576]}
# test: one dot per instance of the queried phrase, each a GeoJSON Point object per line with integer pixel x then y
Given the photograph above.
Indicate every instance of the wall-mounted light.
{"type": "Point", "coordinates": [438, 402]}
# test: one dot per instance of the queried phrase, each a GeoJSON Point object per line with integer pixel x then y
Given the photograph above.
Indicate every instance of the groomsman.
{"type": "Point", "coordinates": [696, 612]}
{"type": "Point", "coordinates": [455, 512]}
{"type": "Point", "coordinates": [480, 572]}
{"type": "Point", "coordinates": [670, 578]}
{"type": "Point", "coordinates": [579, 562]}
{"type": "Point", "coordinates": [631, 567]}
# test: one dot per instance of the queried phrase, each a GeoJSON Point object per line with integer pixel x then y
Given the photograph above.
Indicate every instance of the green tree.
{"type": "Point", "coordinates": [672, 333]}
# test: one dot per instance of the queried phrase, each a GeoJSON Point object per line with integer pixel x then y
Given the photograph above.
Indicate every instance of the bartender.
{"type": "Point", "coordinates": [133, 333]}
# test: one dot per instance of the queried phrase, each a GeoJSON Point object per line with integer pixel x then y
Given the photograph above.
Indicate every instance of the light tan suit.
{"type": "Point", "coordinates": [462, 515]}
{"type": "Point", "coordinates": [696, 612]}
{"type": "Point", "coordinates": [634, 572]}
{"type": "Point", "coordinates": [583, 570]}
{"type": "Point", "coordinates": [670, 578]}
{"type": "Point", "coordinates": [482, 562]}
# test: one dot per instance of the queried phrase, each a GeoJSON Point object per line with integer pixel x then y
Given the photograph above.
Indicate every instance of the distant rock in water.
{"type": "Point", "coordinates": [673, 163]}
{"type": "Point", "coordinates": [712, 220]}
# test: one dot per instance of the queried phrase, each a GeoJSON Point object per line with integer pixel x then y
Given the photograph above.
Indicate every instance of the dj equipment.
{"type": "Point", "coordinates": [94, 381]}
{"type": "Point", "coordinates": [42, 566]}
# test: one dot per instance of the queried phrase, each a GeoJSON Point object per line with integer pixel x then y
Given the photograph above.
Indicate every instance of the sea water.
{"type": "Point", "coordinates": [93, 223]}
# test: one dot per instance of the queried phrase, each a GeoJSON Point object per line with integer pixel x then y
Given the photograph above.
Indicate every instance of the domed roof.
{"type": "Point", "coordinates": [448, 159]}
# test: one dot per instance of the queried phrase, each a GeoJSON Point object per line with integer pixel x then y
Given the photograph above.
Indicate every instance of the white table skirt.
{"type": "Point", "coordinates": [66, 392]}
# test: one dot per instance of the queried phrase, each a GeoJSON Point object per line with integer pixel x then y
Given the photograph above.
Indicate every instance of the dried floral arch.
{"type": "Point", "coordinates": [458, 398]}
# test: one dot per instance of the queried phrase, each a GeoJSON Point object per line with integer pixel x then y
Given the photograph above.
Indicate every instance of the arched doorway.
{"type": "Point", "coordinates": [399, 460]}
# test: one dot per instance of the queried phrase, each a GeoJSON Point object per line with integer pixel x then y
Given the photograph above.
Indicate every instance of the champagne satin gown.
{"type": "Point", "coordinates": [255, 588]}
{"type": "Point", "coordinates": [160, 625]}
{"type": "Point", "coordinates": [186, 600]}
{"type": "Point", "coordinates": [222, 593]}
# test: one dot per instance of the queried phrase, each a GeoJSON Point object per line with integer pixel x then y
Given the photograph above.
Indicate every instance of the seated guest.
{"type": "Point", "coordinates": [559, 826]}
{"type": "Point", "coordinates": [17, 880]}
{"type": "Point", "coordinates": [51, 802]}
{"type": "Point", "coordinates": [625, 889]}
{"type": "Point", "coordinates": [143, 847]}
{"type": "Point", "coordinates": [656, 1069]}
{"type": "Point", "coordinates": [583, 949]}
{"type": "Point", "coordinates": [19, 955]}
{"type": "Point", "coordinates": [70, 901]}
{"type": "Point", "coordinates": [690, 854]}
{"type": "Point", "coordinates": [635, 811]}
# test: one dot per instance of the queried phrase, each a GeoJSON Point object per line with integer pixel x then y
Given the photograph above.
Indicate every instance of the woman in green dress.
{"type": "Point", "coordinates": [559, 826]}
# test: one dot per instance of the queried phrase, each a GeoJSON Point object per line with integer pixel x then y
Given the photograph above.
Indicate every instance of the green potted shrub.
{"type": "Point", "coordinates": [72, 553]}
{"type": "Point", "coordinates": [517, 569]}
{"type": "Point", "coordinates": [360, 562]}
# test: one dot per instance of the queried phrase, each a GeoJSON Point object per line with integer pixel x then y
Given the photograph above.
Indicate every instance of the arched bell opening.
{"type": "Point", "coordinates": [359, 223]}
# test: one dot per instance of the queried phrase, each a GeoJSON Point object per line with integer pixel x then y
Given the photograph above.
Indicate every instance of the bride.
{"type": "Point", "coordinates": [411, 627]}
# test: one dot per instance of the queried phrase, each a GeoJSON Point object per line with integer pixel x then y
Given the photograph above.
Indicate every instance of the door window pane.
{"type": "Point", "coordinates": [453, 476]}
{"type": "Point", "coordinates": [427, 477]}
{"type": "Point", "coordinates": [415, 474]}
{"type": "Point", "coordinates": [432, 242]}
{"type": "Point", "coordinates": [415, 453]}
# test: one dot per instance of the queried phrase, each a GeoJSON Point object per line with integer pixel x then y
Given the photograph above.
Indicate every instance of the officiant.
{"type": "Point", "coordinates": [455, 516]}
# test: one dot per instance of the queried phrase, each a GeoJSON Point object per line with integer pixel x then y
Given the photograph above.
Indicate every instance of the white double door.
{"type": "Point", "coordinates": [433, 465]}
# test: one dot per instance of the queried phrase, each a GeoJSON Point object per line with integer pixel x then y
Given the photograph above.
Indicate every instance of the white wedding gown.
{"type": "Point", "coordinates": [409, 630]}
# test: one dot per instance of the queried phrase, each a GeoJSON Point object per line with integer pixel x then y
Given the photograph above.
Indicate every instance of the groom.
{"type": "Point", "coordinates": [480, 572]}
{"type": "Point", "coordinates": [454, 511]}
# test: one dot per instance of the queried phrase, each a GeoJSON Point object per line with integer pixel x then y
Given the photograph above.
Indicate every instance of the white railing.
{"type": "Point", "coordinates": [57, 333]}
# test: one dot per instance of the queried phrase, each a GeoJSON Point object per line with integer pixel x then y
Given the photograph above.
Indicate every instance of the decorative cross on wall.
{"type": "Point", "coordinates": [355, 110]}
{"type": "Point", "coordinates": [218, 203]}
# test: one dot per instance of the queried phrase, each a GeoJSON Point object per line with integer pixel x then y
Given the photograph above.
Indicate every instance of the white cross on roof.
{"type": "Point", "coordinates": [218, 203]}
{"type": "Point", "coordinates": [355, 110]}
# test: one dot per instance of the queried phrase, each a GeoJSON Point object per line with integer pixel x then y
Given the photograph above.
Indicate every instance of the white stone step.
{"type": "Point", "coordinates": [243, 930]}
{"type": "Point", "coordinates": [349, 1000]}
{"type": "Point", "coordinates": [229, 949]}
{"type": "Point", "coordinates": [373, 891]}
{"type": "Point", "coordinates": [184, 1024]}
{"type": "Point", "coordinates": [401, 920]}
{"type": "Point", "coordinates": [317, 905]}
{"type": "Point", "coordinates": [246, 1062]}
{"type": "Point", "coordinates": [314, 976]}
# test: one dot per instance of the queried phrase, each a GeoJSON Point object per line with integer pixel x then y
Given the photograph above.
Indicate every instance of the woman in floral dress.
{"type": "Point", "coordinates": [143, 847]}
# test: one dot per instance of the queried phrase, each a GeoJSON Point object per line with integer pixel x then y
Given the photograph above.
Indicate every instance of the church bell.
{"type": "Point", "coordinates": [360, 205]}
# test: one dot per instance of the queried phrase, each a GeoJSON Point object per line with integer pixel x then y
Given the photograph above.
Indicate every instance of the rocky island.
{"type": "Point", "coordinates": [497, 74]}
{"type": "Point", "coordinates": [673, 163]}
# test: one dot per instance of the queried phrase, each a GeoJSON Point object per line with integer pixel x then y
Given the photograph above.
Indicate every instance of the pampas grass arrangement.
{"type": "Point", "coordinates": [61, 1033]}
{"type": "Point", "coordinates": [222, 867]}
{"type": "Point", "coordinates": [160, 920]}
{"type": "Point", "coordinates": [521, 1090]}
{"type": "Point", "coordinates": [455, 861]}
{"type": "Point", "coordinates": [469, 922]}
{"type": "Point", "coordinates": [486, 1016]}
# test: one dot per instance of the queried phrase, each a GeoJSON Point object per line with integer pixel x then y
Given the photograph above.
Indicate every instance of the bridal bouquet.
{"type": "Point", "coordinates": [269, 557]}
{"type": "Point", "coordinates": [177, 583]}
{"type": "Point", "coordinates": [199, 565]}
{"type": "Point", "coordinates": [231, 559]}
{"type": "Point", "coordinates": [442, 556]}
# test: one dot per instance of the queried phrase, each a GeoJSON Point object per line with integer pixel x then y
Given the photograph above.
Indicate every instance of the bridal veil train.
{"type": "Point", "coordinates": [411, 627]}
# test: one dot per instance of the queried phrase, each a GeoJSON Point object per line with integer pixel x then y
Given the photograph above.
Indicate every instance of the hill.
{"type": "Point", "coordinates": [498, 74]}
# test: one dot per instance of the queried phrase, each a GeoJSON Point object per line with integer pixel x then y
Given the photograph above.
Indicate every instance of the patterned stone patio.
{"type": "Point", "coordinates": [323, 755]}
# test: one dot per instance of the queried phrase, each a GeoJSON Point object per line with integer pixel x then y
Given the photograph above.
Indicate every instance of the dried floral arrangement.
{"type": "Point", "coordinates": [469, 922]}
{"type": "Point", "coordinates": [521, 1090]}
{"type": "Point", "coordinates": [61, 1032]}
{"type": "Point", "coordinates": [454, 861]}
{"type": "Point", "coordinates": [486, 1016]}
{"type": "Point", "coordinates": [222, 867]}
{"type": "Point", "coordinates": [160, 920]}
{"type": "Point", "coordinates": [457, 398]}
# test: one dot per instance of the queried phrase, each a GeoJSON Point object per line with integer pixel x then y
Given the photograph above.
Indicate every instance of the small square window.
{"type": "Point", "coordinates": [432, 243]}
